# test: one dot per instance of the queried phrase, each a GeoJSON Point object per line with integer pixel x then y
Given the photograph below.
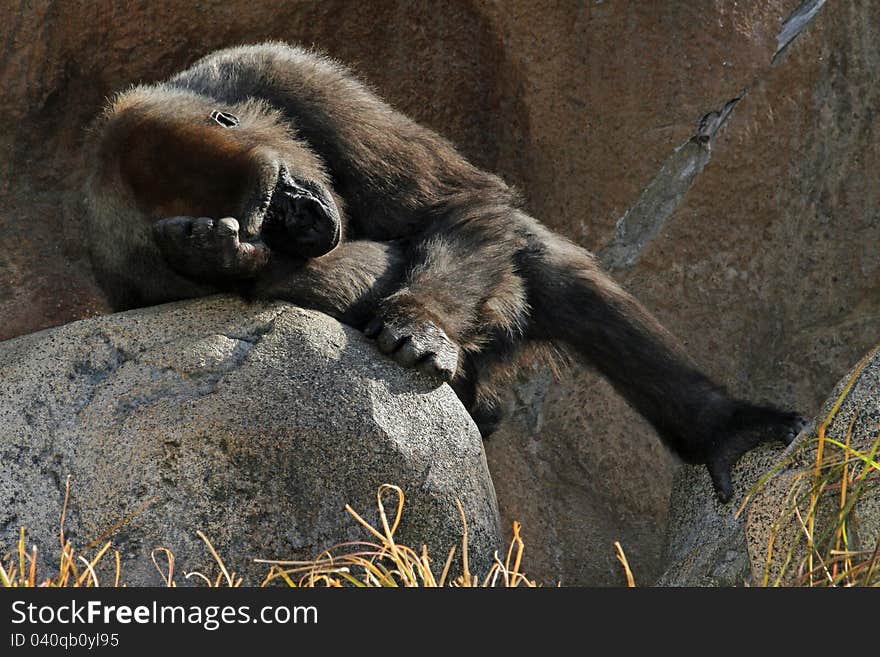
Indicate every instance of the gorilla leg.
{"type": "Point", "coordinates": [575, 303]}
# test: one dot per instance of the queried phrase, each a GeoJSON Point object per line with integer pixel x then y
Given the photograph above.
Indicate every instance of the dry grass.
{"type": "Point", "coordinates": [74, 570]}
{"type": "Point", "coordinates": [820, 505]}
{"type": "Point", "coordinates": [817, 520]}
{"type": "Point", "coordinates": [381, 561]}
{"type": "Point", "coordinates": [621, 557]}
{"type": "Point", "coordinates": [385, 562]}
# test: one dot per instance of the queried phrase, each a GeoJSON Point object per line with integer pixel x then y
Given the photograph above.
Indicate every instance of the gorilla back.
{"type": "Point", "coordinates": [273, 171]}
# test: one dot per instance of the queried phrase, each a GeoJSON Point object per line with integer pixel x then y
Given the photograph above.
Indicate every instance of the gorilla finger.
{"type": "Point", "coordinates": [203, 227]}
{"type": "Point", "coordinates": [174, 227]}
{"type": "Point", "coordinates": [447, 359]}
{"type": "Point", "coordinates": [431, 365]}
{"type": "Point", "coordinates": [797, 426]}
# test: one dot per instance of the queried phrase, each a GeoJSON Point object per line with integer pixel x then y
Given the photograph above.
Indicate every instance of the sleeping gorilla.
{"type": "Point", "coordinates": [344, 205]}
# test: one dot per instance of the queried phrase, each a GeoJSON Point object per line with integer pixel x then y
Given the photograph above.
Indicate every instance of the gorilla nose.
{"type": "Point", "coordinates": [306, 213]}
{"type": "Point", "coordinates": [301, 220]}
{"type": "Point", "coordinates": [313, 227]}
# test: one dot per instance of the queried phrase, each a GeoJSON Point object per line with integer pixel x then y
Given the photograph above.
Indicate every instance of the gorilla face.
{"type": "Point", "coordinates": [183, 155]}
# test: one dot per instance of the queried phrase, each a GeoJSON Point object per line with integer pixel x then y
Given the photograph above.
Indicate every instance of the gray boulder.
{"type": "Point", "coordinates": [255, 423]}
{"type": "Point", "coordinates": [851, 414]}
{"type": "Point", "coordinates": [709, 546]}
{"type": "Point", "coordinates": [706, 543]}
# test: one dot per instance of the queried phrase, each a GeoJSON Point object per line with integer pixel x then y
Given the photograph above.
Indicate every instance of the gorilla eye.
{"type": "Point", "coordinates": [225, 119]}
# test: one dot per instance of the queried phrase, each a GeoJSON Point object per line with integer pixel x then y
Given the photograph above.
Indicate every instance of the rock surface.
{"type": "Point", "coordinates": [706, 541]}
{"type": "Point", "coordinates": [851, 415]}
{"type": "Point", "coordinates": [761, 258]}
{"type": "Point", "coordinates": [255, 424]}
{"type": "Point", "coordinates": [709, 546]}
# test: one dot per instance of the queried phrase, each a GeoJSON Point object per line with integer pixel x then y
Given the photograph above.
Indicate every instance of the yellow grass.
{"type": "Point", "coordinates": [380, 561]}
{"type": "Point", "coordinates": [839, 475]}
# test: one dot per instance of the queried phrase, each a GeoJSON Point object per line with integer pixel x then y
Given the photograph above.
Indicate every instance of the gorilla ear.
{"type": "Point", "coordinates": [225, 119]}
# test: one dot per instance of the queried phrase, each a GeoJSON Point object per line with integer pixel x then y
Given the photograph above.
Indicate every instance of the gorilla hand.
{"type": "Point", "coordinates": [406, 332]}
{"type": "Point", "coordinates": [208, 250]}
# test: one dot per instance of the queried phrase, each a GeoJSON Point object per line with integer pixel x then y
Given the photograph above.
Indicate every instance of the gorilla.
{"type": "Point", "coordinates": [273, 172]}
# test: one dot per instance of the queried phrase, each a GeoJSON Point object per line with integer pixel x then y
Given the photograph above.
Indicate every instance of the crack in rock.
{"type": "Point", "coordinates": [186, 383]}
{"type": "Point", "coordinates": [169, 375]}
{"type": "Point", "coordinates": [795, 24]}
{"type": "Point", "coordinates": [105, 359]}
{"type": "Point", "coordinates": [643, 221]}
{"type": "Point", "coordinates": [97, 373]}
{"type": "Point", "coordinates": [254, 333]}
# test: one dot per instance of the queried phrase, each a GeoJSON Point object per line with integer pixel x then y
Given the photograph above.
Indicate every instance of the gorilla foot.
{"type": "Point", "coordinates": [750, 426]}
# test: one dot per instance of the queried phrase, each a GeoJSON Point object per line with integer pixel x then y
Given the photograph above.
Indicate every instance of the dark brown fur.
{"type": "Point", "coordinates": [435, 258]}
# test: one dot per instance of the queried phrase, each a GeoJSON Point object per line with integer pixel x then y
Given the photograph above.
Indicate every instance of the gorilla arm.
{"type": "Point", "coordinates": [346, 283]}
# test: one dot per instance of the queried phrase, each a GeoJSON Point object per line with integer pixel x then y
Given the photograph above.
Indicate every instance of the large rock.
{"type": "Point", "coordinates": [851, 415]}
{"type": "Point", "coordinates": [762, 260]}
{"type": "Point", "coordinates": [706, 539]}
{"type": "Point", "coordinates": [253, 423]}
{"type": "Point", "coordinates": [709, 545]}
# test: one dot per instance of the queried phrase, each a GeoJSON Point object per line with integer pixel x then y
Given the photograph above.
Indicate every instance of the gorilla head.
{"type": "Point", "coordinates": [176, 153]}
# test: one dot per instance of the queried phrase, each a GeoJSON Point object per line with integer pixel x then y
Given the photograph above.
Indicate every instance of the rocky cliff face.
{"type": "Point", "coordinates": [255, 424]}
{"type": "Point", "coordinates": [720, 158]}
